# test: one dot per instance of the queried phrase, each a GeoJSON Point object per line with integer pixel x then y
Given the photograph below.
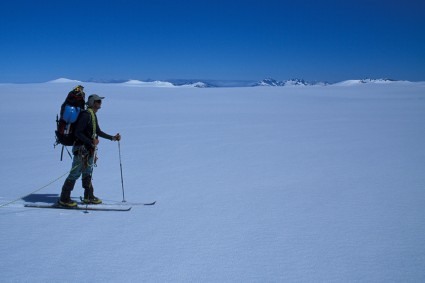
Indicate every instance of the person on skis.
{"type": "Point", "coordinates": [86, 132]}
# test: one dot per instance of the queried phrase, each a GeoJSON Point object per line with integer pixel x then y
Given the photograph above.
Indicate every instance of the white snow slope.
{"type": "Point", "coordinates": [311, 184]}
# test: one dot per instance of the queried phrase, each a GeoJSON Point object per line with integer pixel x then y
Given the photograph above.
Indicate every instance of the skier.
{"type": "Point", "coordinates": [86, 133]}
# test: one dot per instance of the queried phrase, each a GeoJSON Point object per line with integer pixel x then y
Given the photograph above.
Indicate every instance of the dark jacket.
{"type": "Point", "coordinates": [84, 130]}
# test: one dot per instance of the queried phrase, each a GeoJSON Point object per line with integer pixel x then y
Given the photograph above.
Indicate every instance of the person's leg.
{"type": "Point", "coordinates": [88, 185]}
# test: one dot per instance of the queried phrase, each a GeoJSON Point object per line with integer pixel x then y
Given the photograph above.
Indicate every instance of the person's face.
{"type": "Point", "coordinates": [97, 104]}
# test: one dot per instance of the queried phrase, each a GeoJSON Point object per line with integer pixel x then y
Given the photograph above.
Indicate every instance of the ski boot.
{"type": "Point", "coordinates": [65, 198]}
{"type": "Point", "coordinates": [89, 197]}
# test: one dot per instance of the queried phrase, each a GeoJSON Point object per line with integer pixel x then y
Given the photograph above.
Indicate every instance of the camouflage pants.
{"type": "Point", "coordinates": [82, 163]}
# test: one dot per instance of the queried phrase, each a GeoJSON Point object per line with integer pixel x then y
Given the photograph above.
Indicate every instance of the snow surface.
{"type": "Point", "coordinates": [311, 184]}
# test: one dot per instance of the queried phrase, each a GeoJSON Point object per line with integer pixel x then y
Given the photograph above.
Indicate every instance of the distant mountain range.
{"type": "Point", "coordinates": [291, 82]}
{"type": "Point", "coordinates": [301, 82]}
{"type": "Point", "coordinates": [269, 82]}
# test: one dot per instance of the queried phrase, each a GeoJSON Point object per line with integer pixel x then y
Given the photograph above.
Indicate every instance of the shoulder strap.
{"type": "Point", "coordinates": [93, 121]}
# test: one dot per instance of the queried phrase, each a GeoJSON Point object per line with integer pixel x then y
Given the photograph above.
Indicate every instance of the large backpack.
{"type": "Point", "coordinates": [70, 109]}
{"type": "Point", "coordinates": [65, 125]}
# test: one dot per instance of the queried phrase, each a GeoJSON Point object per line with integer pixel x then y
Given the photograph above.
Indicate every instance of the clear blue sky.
{"type": "Point", "coordinates": [238, 40]}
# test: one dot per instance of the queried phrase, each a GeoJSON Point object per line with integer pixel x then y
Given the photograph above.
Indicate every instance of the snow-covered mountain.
{"type": "Point", "coordinates": [302, 82]}
{"type": "Point", "coordinates": [365, 81]}
{"type": "Point", "coordinates": [64, 80]}
{"type": "Point", "coordinates": [198, 84]}
{"type": "Point", "coordinates": [269, 82]}
{"type": "Point", "coordinates": [229, 83]}
{"type": "Point", "coordinates": [151, 84]}
{"type": "Point", "coordinates": [291, 82]}
{"type": "Point", "coordinates": [296, 82]}
{"type": "Point", "coordinates": [139, 83]}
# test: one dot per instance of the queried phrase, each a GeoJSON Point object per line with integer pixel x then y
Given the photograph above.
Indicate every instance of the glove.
{"type": "Point", "coordinates": [117, 137]}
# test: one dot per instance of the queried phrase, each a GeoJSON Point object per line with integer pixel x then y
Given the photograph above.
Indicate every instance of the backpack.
{"type": "Point", "coordinates": [65, 125]}
{"type": "Point", "coordinates": [69, 112]}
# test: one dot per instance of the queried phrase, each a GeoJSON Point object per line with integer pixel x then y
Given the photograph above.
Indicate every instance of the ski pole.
{"type": "Point", "coordinates": [62, 152]}
{"type": "Point", "coordinates": [122, 179]}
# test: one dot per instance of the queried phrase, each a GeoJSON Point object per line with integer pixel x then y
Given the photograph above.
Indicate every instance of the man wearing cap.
{"type": "Point", "coordinates": [86, 132]}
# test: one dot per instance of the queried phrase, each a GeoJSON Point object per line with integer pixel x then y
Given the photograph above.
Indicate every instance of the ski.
{"type": "Point", "coordinates": [79, 207]}
{"type": "Point", "coordinates": [112, 202]}
{"type": "Point", "coordinates": [133, 203]}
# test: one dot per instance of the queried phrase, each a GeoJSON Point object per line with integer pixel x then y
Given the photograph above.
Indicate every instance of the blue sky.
{"type": "Point", "coordinates": [236, 40]}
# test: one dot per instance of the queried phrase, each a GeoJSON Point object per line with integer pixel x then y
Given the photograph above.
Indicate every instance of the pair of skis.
{"type": "Point", "coordinates": [85, 207]}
